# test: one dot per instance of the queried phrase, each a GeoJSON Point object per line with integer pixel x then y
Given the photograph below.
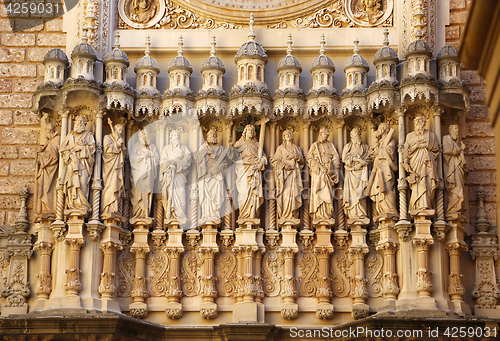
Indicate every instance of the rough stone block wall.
{"type": "Point", "coordinates": [21, 70]}
{"type": "Point", "coordinates": [480, 140]}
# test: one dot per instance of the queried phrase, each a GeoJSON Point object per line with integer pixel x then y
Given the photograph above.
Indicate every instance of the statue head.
{"type": "Point", "coordinates": [119, 129]}
{"type": "Point", "coordinates": [288, 136]}
{"type": "Point", "coordinates": [212, 137]}
{"type": "Point", "coordinates": [453, 129]}
{"type": "Point", "coordinates": [80, 123]}
{"type": "Point", "coordinates": [356, 136]}
{"type": "Point", "coordinates": [249, 132]}
{"type": "Point", "coordinates": [382, 130]}
{"type": "Point", "coordinates": [370, 4]}
{"type": "Point", "coordinates": [323, 134]}
{"type": "Point", "coordinates": [419, 123]}
{"type": "Point", "coordinates": [175, 137]}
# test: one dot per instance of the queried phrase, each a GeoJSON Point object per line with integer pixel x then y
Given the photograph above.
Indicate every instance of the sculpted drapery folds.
{"type": "Point", "coordinates": [382, 181]}
{"type": "Point", "coordinates": [356, 158]}
{"type": "Point", "coordinates": [144, 160]}
{"type": "Point", "coordinates": [455, 172]}
{"type": "Point", "coordinates": [324, 162]}
{"type": "Point", "coordinates": [77, 151]}
{"type": "Point", "coordinates": [287, 162]}
{"type": "Point", "coordinates": [46, 177]}
{"type": "Point", "coordinates": [175, 161]}
{"type": "Point", "coordinates": [419, 159]}
{"type": "Point", "coordinates": [212, 160]}
{"type": "Point", "coordinates": [249, 174]}
{"type": "Point", "coordinates": [112, 173]}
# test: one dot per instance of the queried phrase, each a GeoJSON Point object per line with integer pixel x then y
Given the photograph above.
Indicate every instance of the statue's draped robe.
{"type": "Point", "coordinates": [78, 155]}
{"type": "Point", "coordinates": [454, 166]}
{"type": "Point", "coordinates": [174, 180]}
{"type": "Point", "coordinates": [112, 175]}
{"type": "Point", "coordinates": [211, 186]}
{"type": "Point", "coordinates": [288, 182]}
{"type": "Point", "coordinates": [356, 181]}
{"type": "Point", "coordinates": [46, 177]}
{"type": "Point", "coordinates": [248, 179]}
{"type": "Point", "coordinates": [382, 180]}
{"type": "Point", "coordinates": [144, 165]}
{"type": "Point", "coordinates": [322, 182]}
{"type": "Point", "coordinates": [423, 178]}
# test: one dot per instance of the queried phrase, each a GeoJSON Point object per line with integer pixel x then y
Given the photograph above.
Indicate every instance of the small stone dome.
{"type": "Point", "coordinates": [84, 49]}
{"type": "Point", "coordinates": [448, 51]}
{"type": "Point", "coordinates": [180, 62]}
{"type": "Point", "coordinates": [251, 48]}
{"type": "Point", "coordinates": [116, 55]}
{"type": "Point", "coordinates": [322, 60]}
{"type": "Point", "coordinates": [386, 53]}
{"type": "Point", "coordinates": [212, 62]}
{"type": "Point", "coordinates": [418, 46]}
{"type": "Point", "coordinates": [147, 61]}
{"type": "Point", "coordinates": [56, 54]}
{"type": "Point", "coordinates": [356, 59]}
{"type": "Point", "coordinates": [289, 61]}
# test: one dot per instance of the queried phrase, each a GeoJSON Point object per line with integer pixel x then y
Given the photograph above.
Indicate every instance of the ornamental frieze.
{"type": "Point", "coordinates": [272, 14]}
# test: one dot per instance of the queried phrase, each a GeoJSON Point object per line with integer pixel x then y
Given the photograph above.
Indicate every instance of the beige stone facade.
{"type": "Point", "coordinates": [269, 258]}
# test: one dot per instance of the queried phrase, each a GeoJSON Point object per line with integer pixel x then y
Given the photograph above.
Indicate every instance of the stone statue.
{"type": "Point", "coordinates": [455, 172]}
{"type": "Point", "coordinates": [382, 180]}
{"type": "Point", "coordinates": [356, 158]}
{"type": "Point", "coordinates": [175, 161]}
{"type": "Point", "coordinates": [288, 162]}
{"type": "Point", "coordinates": [113, 157]}
{"type": "Point", "coordinates": [46, 176]}
{"type": "Point", "coordinates": [77, 151]}
{"type": "Point", "coordinates": [324, 162]}
{"type": "Point", "coordinates": [419, 159]}
{"type": "Point", "coordinates": [143, 10]}
{"type": "Point", "coordinates": [212, 160]}
{"type": "Point", "coordinates": [249, 174]}
{"type": "Point", "coordinates": [144, 160]}
{"type": "Point", "coordinates": [368, 11]}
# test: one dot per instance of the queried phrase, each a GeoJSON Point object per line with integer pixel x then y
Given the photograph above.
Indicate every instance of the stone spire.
{"type": "Point", "coordinates": [251, 31]}
{"type": "Point", "coordinates": [289, 49]}
{"type": "Point", "coordinates": [117, 40]}
{"type": "Point", "coordinates": [148, 45]}
{"type": "Point", "coordinates": [322, 42]}
{"type": "Point", "coordinates": [212, 51]}
{"type": "Point", "coordinates": [180, 52]}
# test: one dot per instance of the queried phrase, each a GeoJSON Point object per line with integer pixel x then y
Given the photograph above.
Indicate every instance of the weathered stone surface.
{"type": "Point", "coordinates": [29, 25]}
{"type": "Point", "coordinates": [26, 117]}
{"type": "Point", "coordinates": [26, 85]}
{"type": "Point", "coordinates": [5, 25]}
{"type": "Point", "coordinates": [20, 136]}
{"type": "Point", "coordinates": [4, 168]}
{"type": "Point", "coordinates": [17, 70]}
{"type": "Point", "coordinates": [479, 146]}
{"type": "Point", "coordinates": [6, 117]}
{"type": "Point", "coordinates": [16, 101]}
{"type": "Point", "coordinates": [479, 129]}
{"type": "Point", "coordinates": [55, 25]}
{"type": "Point", "coordinates": [457, 4]}
{"type": "Point", "coordinates": [471, 77]}
{"type": "Point", "coordinates": [484, 162]}
{"type": "Point", "coordinates": [9, 202]}
{"type": "Point", "coordinates": [490, 192]}
{"type": "Point", "coordinates": [36, 54]}
{"type": "Point", "coordinates": [478, 94]}
{"type": "Point", "coordinates": [28, 152]}
{"type": "Point", "coordinates": [13, 185]}
{"type": "Point", "coordinates": [478, 112]}
{"type": "Point", "coordinates": [15, 55]}
{"type": "Point", "coordinates": [18, 39]}
{"type": "Point", "coordinates": [3, 215]}
{"type": "Point", "coordinates": [23, 168]}
{"type": "Point", "coordinates": [51, 39]}
{"type": "Point", "coordinates": [8, 152]}
{"type": "Point", "coordinates": [479, 178]}
{"type": "Point", "coordinates": [452, 32]}
{"type": "Point", "coordinates": [458, 17]}
{"type": "Point", "coordinates": [5, 85]}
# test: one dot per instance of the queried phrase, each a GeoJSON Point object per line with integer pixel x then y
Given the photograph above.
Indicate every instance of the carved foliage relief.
{"type": "Point", "coordinates": [273, 14]}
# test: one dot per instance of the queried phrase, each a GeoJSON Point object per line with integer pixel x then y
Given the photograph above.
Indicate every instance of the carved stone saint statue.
{"type": "Point", "coordinates": [382, 181]}
{"type": "Point", "coordinates": [356, 158]}
{"type": "Point", "coordinates": [455, 172]}
{"type": "Point", "coordinates": [287, 162]}
{"type": "Point", "coordinates": [143, 10]}
{"type": "Point", "coordinates": [144, 160]}
{"type": "Point", "coordinates": [419, 159]}
{"type": "Point", "coordinates": [324, 162]}
{"type": "Point", "coordinates": [46, 176]}
{"type": "Point", "coordinates": [175, 161]}
{"type": "Point", "coordinates": [113, 157]}
{"type": "Point", "coordinates": [212, 160]}
{"type": "Point", "coordinates": [249, 174]}
{"type": "Point", "coordinates": [77, 152]}
{"type": "Point", "coordinates": [368, 11]}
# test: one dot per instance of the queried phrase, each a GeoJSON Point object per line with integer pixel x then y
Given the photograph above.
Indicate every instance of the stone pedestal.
{"type": "Point", "coordinates": [288, 249]}
{"type": "Point", "coordinates": [323, 249]}
{"type": "Point", "coordinates": [388, 245]}
{"type": "Point", "coordinates": [357, 251]}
